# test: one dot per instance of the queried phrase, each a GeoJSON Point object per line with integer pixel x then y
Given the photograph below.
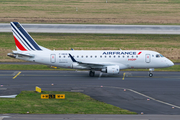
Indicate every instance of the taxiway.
{"type": "Point", "coordinates": [137, 92]}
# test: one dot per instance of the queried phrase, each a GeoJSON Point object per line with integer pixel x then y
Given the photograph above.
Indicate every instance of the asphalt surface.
{"type": "Point", "coordinates": [94, 28]}
{"type": "Point", "coordinates": [137, 92]}
{"type": "Point", "coordinates": [88, 117]}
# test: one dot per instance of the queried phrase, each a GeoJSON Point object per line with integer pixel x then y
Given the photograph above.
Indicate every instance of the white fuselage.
{"type": "Point", "coordinates": [123, 58]}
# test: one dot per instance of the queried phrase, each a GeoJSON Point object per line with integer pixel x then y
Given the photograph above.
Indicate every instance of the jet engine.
{"type": "Point", "coordinates": [111, 69]}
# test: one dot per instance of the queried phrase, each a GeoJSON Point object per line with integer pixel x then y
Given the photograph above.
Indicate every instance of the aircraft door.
{"type": "Point", "coordinates": [53, 58]}
{"type": "Point", "coordinates": [148, 58]}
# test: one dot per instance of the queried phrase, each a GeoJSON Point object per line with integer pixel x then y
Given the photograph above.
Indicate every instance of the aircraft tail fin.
{"type": "Point", "coordinates": [23, 41]}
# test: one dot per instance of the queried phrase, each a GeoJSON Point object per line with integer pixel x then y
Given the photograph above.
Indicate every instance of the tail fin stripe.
{"type": "Point", "coordinates": [18, 44]}
{"type": "Point", "coordinates": [21, 36]}
{"type": "Point", "coordinates": [21, 29]}
{"type": "Point", "coordinates": [20, 41]}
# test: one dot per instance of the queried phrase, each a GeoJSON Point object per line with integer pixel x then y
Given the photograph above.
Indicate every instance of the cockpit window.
{"type": "Point", "coordinates": [157, 56]}
{"type": "Point", "coordinates": [161, 55]}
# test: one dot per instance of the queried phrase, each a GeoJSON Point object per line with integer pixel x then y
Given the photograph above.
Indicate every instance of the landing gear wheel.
{"type": "Point", "coordinates": [91, 73]}
{"type": "Point", "coordinates": [150, 74]}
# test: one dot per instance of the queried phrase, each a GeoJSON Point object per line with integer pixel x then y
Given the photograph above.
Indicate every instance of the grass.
{"type": "Point", "coordinates": [91, 11]}
{"type": "Point", "coordinates": [44, 67]}
{"type": "Point", "coordinates": [74, 103]}
{"type": "Point", "coordinates": [168, 45]}
{"type": "Point", "coordinates": [28, 67]}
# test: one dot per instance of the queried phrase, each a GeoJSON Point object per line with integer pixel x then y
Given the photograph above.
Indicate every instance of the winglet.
{"type": "Point", "coordinates": [72, 58]}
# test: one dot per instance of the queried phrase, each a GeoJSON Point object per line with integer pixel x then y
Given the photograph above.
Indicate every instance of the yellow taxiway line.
{"type": "Point", "coordinates": [16, 75]}
{"type": "Point", "coordinates": [123, 76]}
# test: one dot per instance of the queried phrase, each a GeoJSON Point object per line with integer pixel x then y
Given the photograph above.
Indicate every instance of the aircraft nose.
{"type": "Point", "coordinates": [170, 63]}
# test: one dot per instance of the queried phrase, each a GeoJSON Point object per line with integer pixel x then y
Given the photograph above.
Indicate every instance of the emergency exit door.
{"type": "Point", "coordinates": [53, 58]}
{"type": "Point", "coordinates": [148, 58]}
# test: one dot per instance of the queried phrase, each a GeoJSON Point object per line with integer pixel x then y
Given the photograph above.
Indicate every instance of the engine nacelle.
{"type": "Point", "coordinates": [111, 69]}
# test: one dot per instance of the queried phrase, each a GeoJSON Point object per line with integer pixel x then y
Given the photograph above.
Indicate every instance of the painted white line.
{"type": "Point", "coordinates": [3, 88]}
{"type": "Point", "coordinates": [8, 96]}
{"type": "Point", "coordinates": [175, 106]}
{"type": "Point", "coordinates": [154, 99]}
{"type": "Point", "coordinates": [77, 90]}
{"type": "Point", "coordinates": [2, 117]}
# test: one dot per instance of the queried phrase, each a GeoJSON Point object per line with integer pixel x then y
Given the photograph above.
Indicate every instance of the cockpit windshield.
{"type": "Point", "coordinates": [159, 55]}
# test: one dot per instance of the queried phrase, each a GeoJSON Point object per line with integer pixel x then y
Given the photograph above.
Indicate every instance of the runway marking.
{"type": "Point", "coordinates": [2, 117]}
{"type": "Point", "coordinates": [154, 98]}
{"type": "Point", "coordinates": [16, 75]}
{"type": "Point", "coordinates": [3, 88]}
{"type": "Point", "coordinates": [147, 97]}
{"type": "Point", "coordinates": [123, 76]}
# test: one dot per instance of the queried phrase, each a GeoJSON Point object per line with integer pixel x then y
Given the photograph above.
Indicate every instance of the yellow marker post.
{"type": "Point", "coordinates": [44, 96]}
{"type": "Point", "coordinates": [60, 96]}
{"type": "Point", "coordinates": [16, 75]}
{"type": "Point", "coordinates": [123, 76]}
{"type": "Point", "coordinates": [38, 89]}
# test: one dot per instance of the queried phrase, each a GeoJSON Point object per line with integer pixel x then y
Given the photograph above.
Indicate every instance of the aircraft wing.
{"type": "Point", "coordinates": [92, 64]}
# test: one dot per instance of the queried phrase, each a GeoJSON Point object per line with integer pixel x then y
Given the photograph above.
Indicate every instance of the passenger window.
{"type": "Point", "coordinates": [127, 56]}
{"type": "Point", "coordinates": [82, 56]}
{"type": "Point", "coordinates": [95, 56]}
{"type": "Point", "coordinates": [59, 56]}
{"type": "Point", "coordinates": [152, 55]}
{"type": "Point", "coordinates": [91, 56]}
{"type": "Point", "coordinates": [114, 56]}
{"type": "Point", "coordinates": [86, 56]}
{"type": "Point", "coordinates": [132, 56]}
{"type": "Point", "coordinates": [100, 56]}
{"type": "Point", "coordinates": [123, 56]}
{"type": "Point", "coordinates": [105, 56]}
{"type": "Point", "coordinates": [77, 56]}
{"type": "Point", "coordinates": [136, 56]}
{"type": "Point", "coordinates": [109, 56]}
{"type": "Point", "coordinates": [64, 56]}
{"type": "Point", "coordinates": [118, 56]}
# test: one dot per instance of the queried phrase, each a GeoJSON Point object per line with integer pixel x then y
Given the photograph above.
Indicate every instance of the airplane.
{"type": "Point", "coordinates": [105, 61]}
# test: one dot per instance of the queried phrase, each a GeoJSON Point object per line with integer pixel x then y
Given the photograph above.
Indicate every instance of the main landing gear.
{"type": "Point", "coordinates": [91, 73]}
{"type": "Point", "coordinates": [150, 72]}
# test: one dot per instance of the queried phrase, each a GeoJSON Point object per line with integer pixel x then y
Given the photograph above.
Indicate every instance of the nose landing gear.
{"type": "Point", "coordinates": [150, 72]}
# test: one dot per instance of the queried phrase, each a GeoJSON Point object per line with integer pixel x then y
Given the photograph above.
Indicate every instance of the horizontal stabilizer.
{"type": "Point", "coordinates": [21, 54]}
